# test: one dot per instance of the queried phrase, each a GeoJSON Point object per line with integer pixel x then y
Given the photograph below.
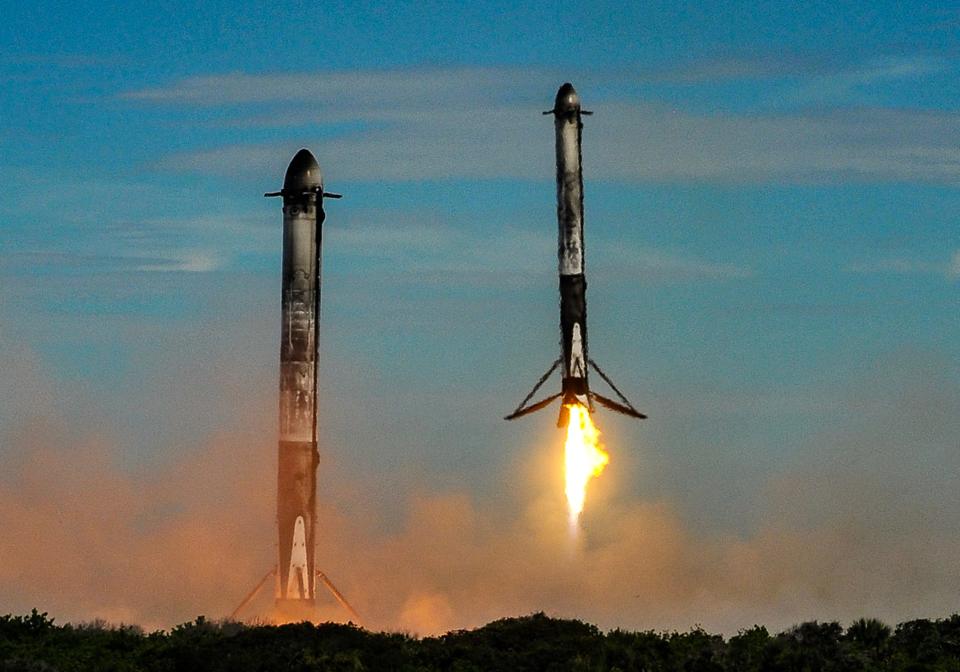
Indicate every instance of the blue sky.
{"type": "Point", "coordinates": [771, 204]}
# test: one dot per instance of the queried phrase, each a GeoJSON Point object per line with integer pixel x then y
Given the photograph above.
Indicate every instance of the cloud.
{"type": "Point", "coordinates": [413, 125]}
{"type": "Point", "coordinates": [83, 540]}
{"type": "Point", "coordinates": [190, 261]}
{"type": "Point", "coordinates": [836, 74]}
{"type": "Point", "coordinates": [418, 246]}
{"type": "Point", "coordinates": [148, 245]}
{"type": "Point", "coordinates": [89, 539]}
{"type": "Point", "coordinates": [653, 264]}
{"type": "Point", "coordinates": [845, 85]}
{"type": "Point", "coordinates": [900, 266]}
{"type": "Point", "coordinates": [196, 261]}
{"type": "Point", "coordinates": [372, 94]}
{"type": "Point", "coordinates": [712, 70]}
{"type": "Point", "coordinates": [477, 123]}
{"type": "Point", "coordinates": [864, 524]}
{"type": "Point", "coordinates": [632, 143]}
{"type": "Point", "coordinates": [376, 91]}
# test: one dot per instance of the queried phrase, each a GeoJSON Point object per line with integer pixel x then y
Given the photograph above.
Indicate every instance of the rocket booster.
{"type": "Point", "coordinates": [573, 284]}
{"type": "Point", "coordinates": [303, 217]}
{"type": "Point", "coordinates": [574, 360]}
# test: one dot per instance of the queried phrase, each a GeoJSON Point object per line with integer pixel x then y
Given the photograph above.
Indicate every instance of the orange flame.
{"type": "Point", "coordinates": [585, 458]}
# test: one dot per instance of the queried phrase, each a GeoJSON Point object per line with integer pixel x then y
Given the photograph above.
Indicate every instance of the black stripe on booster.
{"type": "Point", "coordinates": [573, 311]}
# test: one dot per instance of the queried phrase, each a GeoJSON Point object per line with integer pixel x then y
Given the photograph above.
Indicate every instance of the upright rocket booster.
{"type": "Point", "coordinates": [303, 217]}
{"type": "Point", "coordinates": [573, 361]}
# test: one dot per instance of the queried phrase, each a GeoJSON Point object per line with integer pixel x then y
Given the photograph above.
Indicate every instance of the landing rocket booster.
{"type": "Point", "coordinates": [303, 217]}
{"type": "Point", "coordinates": [573, 361]}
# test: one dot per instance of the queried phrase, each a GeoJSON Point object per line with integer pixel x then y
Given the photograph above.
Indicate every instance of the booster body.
{"type": "Point", "coordinates": [570, 252]}
{"type": "Point", "coordinates": [574, 360]}
{"type": "Point", "coordinates": [300, 310]}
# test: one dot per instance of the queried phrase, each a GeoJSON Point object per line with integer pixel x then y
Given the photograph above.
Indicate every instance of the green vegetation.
{"type": "Point", "coordinates": [35, 644]}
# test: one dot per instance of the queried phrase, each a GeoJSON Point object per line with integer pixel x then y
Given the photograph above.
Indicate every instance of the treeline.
{"type": "Point", "coordinates": [35, 643]}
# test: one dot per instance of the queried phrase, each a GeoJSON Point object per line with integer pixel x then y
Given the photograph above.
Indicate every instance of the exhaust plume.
{"type": "Point", "coordinates": [585, 459]}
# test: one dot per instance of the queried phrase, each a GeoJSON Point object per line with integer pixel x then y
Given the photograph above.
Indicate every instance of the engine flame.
{"type": "Point", "coordinates": [585, 458]}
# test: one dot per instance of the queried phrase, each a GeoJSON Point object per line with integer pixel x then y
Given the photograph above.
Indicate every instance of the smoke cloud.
{"type": "Point", "coordinates": [863, 524]}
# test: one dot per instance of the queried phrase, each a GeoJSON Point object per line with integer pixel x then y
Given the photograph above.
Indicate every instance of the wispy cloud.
{"type": "Point", "coordinates": [376, 91]}
{"type": "Point", "coordinates": [651, 263]}
{"type": "Point", "coordinates": [729, 67]}
{"type": "Point", "coordinates": [949, 269]}
{"type": "Point", "coordinates": [846, 85]}
{"type": "Point", "coordinates": [440, 249]}
{"type": "Point", "coordinates": [193, 245]}
{"type": "Point", "coordinates": [196, 261]}
{"type": "Point", "coordinates": [480, 124]}
{"type": "Point", "coordinates": [630, 142]}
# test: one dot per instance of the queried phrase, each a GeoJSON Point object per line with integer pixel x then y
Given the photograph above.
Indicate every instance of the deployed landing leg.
{"type": "Point", "coordinates": [252, 593]}
{"type": "Point", "coordinates": [338, 596]}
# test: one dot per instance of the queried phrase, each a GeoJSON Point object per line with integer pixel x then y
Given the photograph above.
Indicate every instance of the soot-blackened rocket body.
{"type": "Point", "coordinates": [573, 283]}
{"type": "Point", "coordinates": [574, 360]}
{"type": "Point", "coordinates": [300, 310]}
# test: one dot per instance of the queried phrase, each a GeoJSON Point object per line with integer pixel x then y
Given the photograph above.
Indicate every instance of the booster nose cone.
{"type": "Point", "coordinates": [567, 102]}
{"type": "Point", "coordinates": [303, 173]}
